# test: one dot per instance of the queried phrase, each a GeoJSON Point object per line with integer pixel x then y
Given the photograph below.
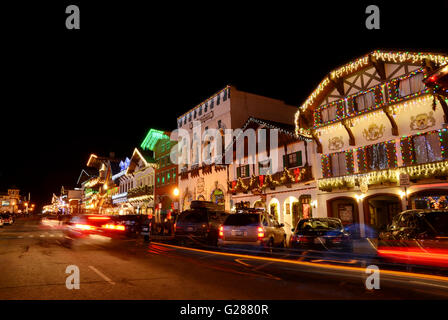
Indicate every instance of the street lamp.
{"type": "Point", "coordinates": [176, 192]}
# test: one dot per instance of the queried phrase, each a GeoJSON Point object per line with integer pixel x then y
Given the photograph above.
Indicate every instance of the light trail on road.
{"type": "Point", "coordinates": [317, 265]}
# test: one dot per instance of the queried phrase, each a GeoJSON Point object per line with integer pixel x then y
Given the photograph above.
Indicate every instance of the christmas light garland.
{"type": "Point", "coordinates": [353, 66]}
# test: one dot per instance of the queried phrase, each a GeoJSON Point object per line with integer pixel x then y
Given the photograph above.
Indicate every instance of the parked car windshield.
{"type": "Point", "coordinates": [319, 224]}
{"type": "Point", "coordinates": [243, 219]}
{"type": "Point", "coordinates": [194, 216]}
{"type": "Point", "coordinates": [439, 221]}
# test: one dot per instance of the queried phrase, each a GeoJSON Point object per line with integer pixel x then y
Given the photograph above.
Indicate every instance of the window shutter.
{"type": "Point", "coordinates": [238, 172]}
{"type": "Point", "coordinates": [285, 161]}
{"type": "Point", "coordinates": [299, 158]}
{"type": "Point", "coordinates": [391, 154]}
{"type": "Point", "coordinates": [247, 171]}
{"type": "Point", "coordinates": [349, 162]}
{"type": "Point", "coordinates": [443, 134]}
{"type": "Point", "coordinates": [362, 161]}
{"type": "Point", "coordinates": [326, 166]}
{"type": "Point", "coordinates": [407, 152]}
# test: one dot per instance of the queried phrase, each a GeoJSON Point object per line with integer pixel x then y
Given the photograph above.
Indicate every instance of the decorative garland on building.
{"type": "Point", "coordinates": [353, 66]}
{"type": "Point", "coordinates": [258, 183]}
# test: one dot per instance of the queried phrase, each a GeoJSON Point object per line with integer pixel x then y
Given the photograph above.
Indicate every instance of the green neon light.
{"type": "Point", "coordinates": [152, 138]}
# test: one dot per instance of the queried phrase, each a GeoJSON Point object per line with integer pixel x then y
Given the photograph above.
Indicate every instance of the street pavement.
{"type": "Point", "coordinates": [33, 264]}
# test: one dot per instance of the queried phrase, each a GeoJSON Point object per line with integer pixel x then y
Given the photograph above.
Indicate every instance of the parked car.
{"type": "Point", "coordinates": [423, 224]}
{"type": "Point", "coordinates": [199, 224]}
{"type": "Point", "coordinates": [1, 221]}
{"type": "Point", "coordinates": [259, 230]}
{"type": "Point", "coordinates": [320, 233]}
{"type": "Point", "coordinates": [8, 218]}
{"type": "Point", "coordinates": [418, 237]}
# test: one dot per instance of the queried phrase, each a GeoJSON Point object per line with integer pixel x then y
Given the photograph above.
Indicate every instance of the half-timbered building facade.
{"type": "Point", "coordinates": [380, 136]}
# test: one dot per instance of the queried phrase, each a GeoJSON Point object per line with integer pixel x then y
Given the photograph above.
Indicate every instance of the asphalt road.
{"type": "Point", "coordinates": [33, 265]}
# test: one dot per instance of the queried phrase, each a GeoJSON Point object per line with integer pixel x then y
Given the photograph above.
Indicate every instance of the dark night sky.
{"type": "Point", "coordinates": [66, 94]}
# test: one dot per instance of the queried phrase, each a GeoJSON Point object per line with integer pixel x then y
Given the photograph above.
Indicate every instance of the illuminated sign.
{"type": "Point", "coordinates": [5, 203]}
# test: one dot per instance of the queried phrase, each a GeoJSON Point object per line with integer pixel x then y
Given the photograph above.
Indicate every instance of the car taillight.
{"type": "Point", "coordinates": [221, 231]}
{"type": "Point", "coordinates": [304, 239]}
{"type": "Point", "coordinates": [336, 239]}
{"type": "Point", "coordinates": [98, 218]}
{"type": "Point", "coordinates": [84, 226]}
{"type": "Point", "coordinates": [114, 227]}
{"type": "Point", "coordinates": [260, 232]}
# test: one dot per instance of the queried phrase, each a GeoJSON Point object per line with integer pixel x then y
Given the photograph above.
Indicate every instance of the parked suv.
{"type": "Point", "coordinates": [199, 225]}
{"type": "Point", "coordinates": [252, 229]}
{"type": "Point", "coordinates": [320, 233]}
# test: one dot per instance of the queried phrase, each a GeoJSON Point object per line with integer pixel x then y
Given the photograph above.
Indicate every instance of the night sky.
{"type": "Point", "coordinates": [68, 93]}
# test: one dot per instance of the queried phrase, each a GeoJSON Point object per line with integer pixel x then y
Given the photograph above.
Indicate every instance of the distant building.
{"type": "Point", "coordinates": [10, 201]}
{"type": "Point", "coordinates": [166, 186]}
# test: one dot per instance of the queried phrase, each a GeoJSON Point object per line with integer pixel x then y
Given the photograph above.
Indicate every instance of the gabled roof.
{"type": "Point", "coordinates": [86, 174]}
{"type": "Point", "coordinates": [152, 138]}
{"type": "Point", "coordinates": [284, 128]}
{"type": "Point", "coordinates": [373, 59]}
{"type": "Point", "coordinates": [145, 155]}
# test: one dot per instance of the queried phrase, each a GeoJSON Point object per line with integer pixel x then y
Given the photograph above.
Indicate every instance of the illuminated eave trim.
{"type": "Point", "coordinates": [90, 158]}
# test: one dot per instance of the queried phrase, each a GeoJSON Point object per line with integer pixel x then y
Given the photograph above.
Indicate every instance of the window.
{"type": "Point", "coordinates": [185, 120]}
{"type": "Point", "coordinates": [292, 160]}
{"type": "Point", "coordinates": [224, 98]}
{"type": "Point", "coordinates": [168, 177]}
{"type": "Point", "coordinates": [411, 85]}
{"type": "Point", "coordinates": [338, 164]}
{"type": "Point", "coordinates": [212, 102]}
{"type": "Point", "coordinates": [200, 110]}
{"type": "Point", "coordinates": [377, 157]}
{"type": "Point", "coordinates": [162, 147]}
{"type": "Point", "coordinates": [194, 114]}
{"type": "Point", "coordinates": [242, 171]}
{"type": "Point", "coordinates": [163, 178]}
{"type": "Point", "coordinates": [205, 107]}
{"type": "Point", "coordinates": [365, 101]}
{"type": "Point", "coordinates": [328, 114]}
{"type": "Point", "coordinates": [219, 124]}
{"type": "Point", "coordinates": [174, 175]}
{"type": "Point", "coordinates": [218, 99]}
{"type": "Point", "coordinates": [158, 179]}
{"type": "Point", "coordinates": [427, 148]}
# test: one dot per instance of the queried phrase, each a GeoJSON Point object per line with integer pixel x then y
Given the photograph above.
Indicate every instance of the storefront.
{"type": "Point", "coordinates": [429, 199]}
{"type": "Point", "coordinates": [344, 208]}
{"type": "Point", "coordinates": [380, 209]}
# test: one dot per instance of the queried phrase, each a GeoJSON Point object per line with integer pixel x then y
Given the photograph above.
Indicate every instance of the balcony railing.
{"type": "Point", "coordinates": [373, 99]}
{"type": "Point", "coordinates": [140, 191]}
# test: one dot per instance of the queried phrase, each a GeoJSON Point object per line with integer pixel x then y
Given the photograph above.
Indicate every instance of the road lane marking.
{"type": "Point", "coordinates": [316, 265]}
{"type": "Point", "coordinates": [243, 263]}
{"type": "Point", "coordinates": [102, 275]}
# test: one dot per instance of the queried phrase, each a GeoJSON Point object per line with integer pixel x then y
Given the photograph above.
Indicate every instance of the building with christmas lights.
{"type": "Point", "coordinates": [280, 180]}
{"type": "Point", "coordinates": [97, 189]}
{"type": "Point", "coordinates": [10, 201]}
{"type": "Point", "coordinates": [380, 136]}
{"type": "Point", "coordinates": [140, 174]}
{"type": "Point", "coordinates": [228, 109]}
{"type": "Point", "coordinates": [166, 190]}
{"type": "Point", "coordinates": [124, 183]}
